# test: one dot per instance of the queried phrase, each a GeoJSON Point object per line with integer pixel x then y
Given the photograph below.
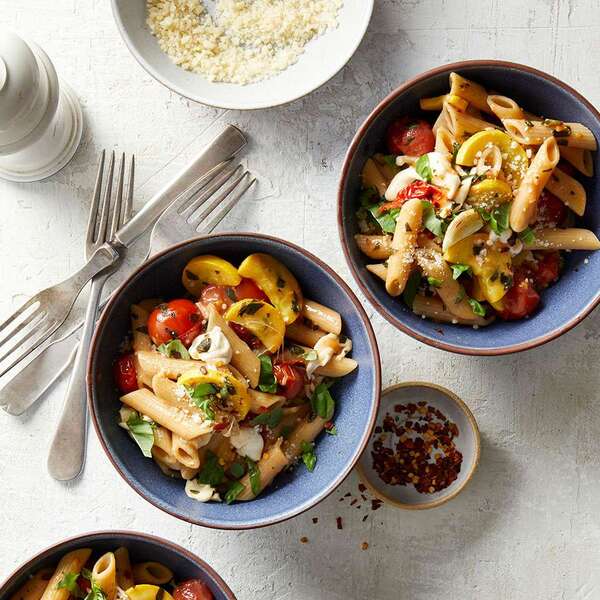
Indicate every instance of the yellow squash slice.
{"type": "Point", "coordinates": [491, 267]}
{"type": "Point", "coordinates": [514, 158]}
{"type": "Point", "coordinates": [237, 394]}
{"type": "Point", "coordinates": [261, 319]}
{"type": "Point", "coordinates": [208, 269]}
{"type": "Point", "coordinates": [146, 591]}
{"type": "Point", "coordinates": [276, 281]}
{"type": "Point", "coordinates": [489, 194]}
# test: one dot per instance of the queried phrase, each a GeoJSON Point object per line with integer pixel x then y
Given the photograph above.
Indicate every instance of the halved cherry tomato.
{"type": "Point", "coordinates": [550, 210]}
{"type": "Point", "coordinates": [290, 378]}
{"type": "Point", "coordinates": [546, 270]}
{"type": "Point", "coordinates": [417, 189]}
{"type": "Point", "coordinates": [217, 295]}
{"type": "Point", "coordinates": [125, 374]}
{"type": "Point", "coordinates": [175, 319]}
{"type": "Point", "coordinates": [192, 589]}
{"type": "Point", "coordinates": [521, 300]}
{"type": "Point", "coordinates": [412, 137]}
{"type": "Point", "coordinates": [248, 289]}
{"type": "Point", "coordinates": [245, 335]}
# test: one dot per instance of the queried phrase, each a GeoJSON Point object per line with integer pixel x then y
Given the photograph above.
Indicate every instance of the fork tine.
{"type": "Point", "coordinates": [117, 205]}
{"type": "Point", "coordinates": [128, 212]}
{"type": "Point", "coordinates": [20, 326]}
{"type": "Point", "coordinates": [103, 225]}
{"type": "Point", "coordinates": [206, 193]}
{"type": "Point", "coordinates": [223, 193]}
{"type": "Point", "coordinates": [181, 202]}
{"type": "Point", "coordinates": [209, 225]}
{"type": "Point", "coordinates": [33, 330]}
{"type": "Point", "coordinates": [11, 320]}
{"type": "Point", "coordinates": [93, 217]}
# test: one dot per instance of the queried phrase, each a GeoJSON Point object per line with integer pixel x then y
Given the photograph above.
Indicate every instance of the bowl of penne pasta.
{"type": "Point", "coordinates": [234, 380]}
{"type": "Point", "coordinates": [115, 565]}
{"type": "Point", "coordinates": [467, 207]}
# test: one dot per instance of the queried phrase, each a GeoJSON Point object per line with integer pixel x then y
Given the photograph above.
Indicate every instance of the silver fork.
{"type": "Point", "coordinates": [67, 452]}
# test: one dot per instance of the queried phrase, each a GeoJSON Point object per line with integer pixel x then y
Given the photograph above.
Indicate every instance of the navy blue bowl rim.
{"type": "Point", "coordinates": [457, 66]}
{"type": "Point", "coordinates": [89, 537]}
{"type": "Point", "coordinates": [372, 343]}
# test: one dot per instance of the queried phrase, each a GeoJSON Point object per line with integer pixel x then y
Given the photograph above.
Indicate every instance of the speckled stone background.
{"type": "Point", "coordinates": [528, 526]}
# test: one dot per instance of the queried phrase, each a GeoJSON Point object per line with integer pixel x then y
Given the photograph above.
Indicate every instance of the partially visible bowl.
{"type": "Point", "coordinates": [292, 492]}
{"type": "Point", "coordinates": [322, 59]}
{"type": "Point", "coordinates": [567, 302]}
{"type": "Point", "coordinates": [142, 547]}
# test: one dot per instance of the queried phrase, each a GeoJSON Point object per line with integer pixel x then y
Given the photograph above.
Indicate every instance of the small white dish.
{"type": "Point", "coordinates": [323, 58]}
{"type": "Point", "coordinates": [467, 442]}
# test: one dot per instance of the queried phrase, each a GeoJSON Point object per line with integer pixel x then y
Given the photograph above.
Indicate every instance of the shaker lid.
{"type": "Point", "coordinates": [28, 88]}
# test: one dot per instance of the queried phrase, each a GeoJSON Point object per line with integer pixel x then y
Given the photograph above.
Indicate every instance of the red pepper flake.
{"type": "Point", "coordinates": [315, 520]}
{"type": "Point", "coordinates": [364, 546]}
{"type": "Point", "coordinates": [304, 539]}
{"type": "Point", "coordinates": [347, 495]}
{"type": "Point", "coordinates": [418, 451]}
{"type": "Point", "coordinates": [365, 518]}
{"type": "Point", "coordinates": [339, 523]}
{"type": "Point", "coordinates": [362, 487]}
{"type": "Point", "coordinates": [354, 502]}
{"type": "Point", "coordinates": [363, 497]}
{"type": "Point", "coordinates": [376, 503]}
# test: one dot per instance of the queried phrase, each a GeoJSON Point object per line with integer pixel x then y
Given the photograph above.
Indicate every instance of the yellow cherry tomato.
{"type": "Point", "coordinates": [146, 591]}
{"type": "Point", "coordinates": [261, 319]}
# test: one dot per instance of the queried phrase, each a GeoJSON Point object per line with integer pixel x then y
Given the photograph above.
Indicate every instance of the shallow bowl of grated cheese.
{"type": "Point", "coordinates": [242, 54]}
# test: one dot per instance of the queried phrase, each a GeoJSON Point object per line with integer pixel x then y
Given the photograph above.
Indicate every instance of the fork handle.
{"type": "Point", "coordinates": [67, 452]}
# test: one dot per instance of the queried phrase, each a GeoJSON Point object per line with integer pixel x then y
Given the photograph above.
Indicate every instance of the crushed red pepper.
{"type": "Point", "coordinates": [418, 450]}
{"type": "Point", "coordinates": [339, 523]}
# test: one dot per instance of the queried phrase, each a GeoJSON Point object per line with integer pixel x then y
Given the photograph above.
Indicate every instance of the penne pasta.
{"type": "Point", "coordinates": [524, 205]}
{"type": "Point", "coordinates": [306, 432]}
{"type": "Point", "coordinates": [444, 141]}
{"type": "Point", "coordinates": [337, 367]}
{"type": "Point", "coordinates": [152, 363]}
{"type": "Point", "coordinates": [372, 177]}
{"type": "Point", "coordinates": [34, 588]}
{"type": "Point", "coordinates": [269, 466]}
{"type": "Point", "coordinates": [301, 333]}
{"type": "Point", "coordinates": [377, 247]}
{"type": "Point", "coordinates": [261, 400]}
{"type": "Point", "coordinates": [433, 308]}
{"type": "Point", "coordinates": [104, 574]}
{"type": "Point", "coordinates": [185, 452]}
{"type": "Point", "coordinates": [504, 107]}
{"type": "Point", "coordinates": [72, 562]}
{"type": "Point", "coordinates": [581, 159]}
{"type": "Point", "coordinates": [564, 239]}
{"type": "Point", "coordinates": [380, 270]}
{"type": "Point", "coordinates": [139, 329]}
{"type": "Point", "coordinates": [462, 125]}
{"type": "Point", "coordinates": [123, 566]}
{"type": "Point", "coordinates": [323, 317]}
{"type": "Point", "coordinates": [152, 573]}
{"type": "Point", "coordinates": [404, 242]}
{"type": "Point", "coordinates": [567, 189]}
{"type": "Point", "coordinates": [472, 92]}
{"type": "Point", "coordinates": [534, 133]}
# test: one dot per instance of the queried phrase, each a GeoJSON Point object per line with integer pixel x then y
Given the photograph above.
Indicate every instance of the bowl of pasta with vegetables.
{"type": "Point", "coordinates": [115, 565]}
{"type": "Point", "coordinates": [234, 380]}
{"type": "Point", "coordinates": [467, 207]}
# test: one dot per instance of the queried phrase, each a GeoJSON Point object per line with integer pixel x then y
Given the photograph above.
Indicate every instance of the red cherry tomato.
{"type": "Point", "coordinates": [521, 300]}
{"type": "Point", "coordinates": [418, 189]}
{"type": "Point", "coordinates": [550, 210]}
{"type": "Point", "coordinates": [217, 295]}
{"type": "Point", "coordinates": [245, 335]}
{"type": "Point", "coordinates": [175, 319]}
{"type": "Point", "coordinates": [192, 589]}
{"type": "Point", "coordinates": [125, 374]}
{"type": "Point", "coordinates": [290, 378]}
{"type": "Point", "coordinates": [413, 137]}
{"type": "Point", "coordinates": [248, 289]}
{"type": "Point", "coordinates": [547, 270]}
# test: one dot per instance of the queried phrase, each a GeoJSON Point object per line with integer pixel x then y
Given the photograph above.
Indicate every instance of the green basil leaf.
{"type": "Point", "coordinates": [235, 489]}
{"type": "Point", "coordinates": [433, 282]}
{"type": "Point", "coordinates": [254, 476]}
{"type": "Point", "coordinates": [477, 307]}
{"type": "Point", "coordinates": [458, 269]}
{"type": "Point", "coordinates": [527, 236]}
{"type": "Point", "coordinates": [411, 287]}
{"type": "Point", "coordinates": [174, 347]}
{"type": "Point", "coordinates": [498, 218]}
{"type": "Point", "coordinates": [322, 402]}
{"type": "Point", "coordinates": [142, 432]}
{"type": "Point", "coordinates": [455, 149]}
{"type": "Point", "coordinates": [266, 381]}
{"type": "Point", "coordinates": [96, 592]}
{"type": "Point", "coordinates": [237, 470]}
{"type": "Point", "coordinates": [231, 294]}
{"type": "Point", "coordinates": [331, 430]}
{"type": "Point", "coordinates": [423, 168]}
{"type": "Point", "coordinates": [203, 396]}
{"type": "Point", "coordinates": [212, 472]}
{"type": "Point", "coordinates": [69, 582]}
{"type": "Point", "coordinates": [387, 219]}
{"type": "Point", "coordinates": [435, 225]}
{"type": "Point", "coordinates": [390, 160]}
{"type": "Point", "coordinates": [309, 458]}
{"type": "Point", "coordinates": [270, 419]}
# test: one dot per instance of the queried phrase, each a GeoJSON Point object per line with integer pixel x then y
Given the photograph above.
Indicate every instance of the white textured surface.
{"type": "Point", "coordinates": [527, 527]}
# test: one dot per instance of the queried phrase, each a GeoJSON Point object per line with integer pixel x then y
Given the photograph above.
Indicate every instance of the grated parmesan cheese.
{"type": "Point", "coordinates": [246, 40]}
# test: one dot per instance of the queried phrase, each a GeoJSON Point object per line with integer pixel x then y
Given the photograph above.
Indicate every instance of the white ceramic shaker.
{"type": "Point", "coordinates": [40, 117]}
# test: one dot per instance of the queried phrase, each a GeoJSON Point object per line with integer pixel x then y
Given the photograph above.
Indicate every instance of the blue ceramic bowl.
{"type": "Point", "coordinates": [565, 303]}
{"type": "Point", "coordinates": [292, 492]}
{"type": "Point", "coordinates": [142, 547]}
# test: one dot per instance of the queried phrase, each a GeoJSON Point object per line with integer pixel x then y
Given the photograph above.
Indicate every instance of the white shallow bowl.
{"type": "Point", "coordinates": [467, 442]}
{"type": "Point", "coordinates": [322, 59]}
